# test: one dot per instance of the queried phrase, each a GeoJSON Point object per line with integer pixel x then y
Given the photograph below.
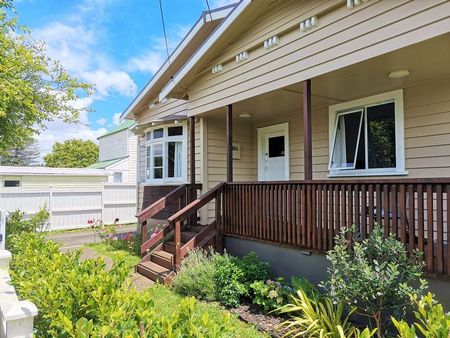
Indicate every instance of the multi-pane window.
{"type": "Point", "coordinates": [165, 154]}
{"type": "Point", "coordinates": [368, 138]}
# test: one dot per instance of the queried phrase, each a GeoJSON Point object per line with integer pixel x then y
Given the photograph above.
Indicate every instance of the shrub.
{"type": "Point", "coordinates": [269, 294]}
{"type": "Point", "coordinates": [374, 275]}
{"type": "Point", "coordinates": [432, 321]}
{"type": "Point", "coordinates": [16, 224]}
{"type": "Point", "coordinates": [81, 299]}
{"type": "Point", "coordinates": [316, 319]}
{"type": "Point", "coordinates": [252, 268]}
{"type": "Point", "coordinates": [229, 281]}
{"type": "Point", "coordinates": [196, 276]}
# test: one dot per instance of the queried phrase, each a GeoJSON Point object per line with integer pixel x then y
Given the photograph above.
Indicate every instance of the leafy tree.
{"type": "Point", "coordinates": [73, 153]}
{"type": "Point", "coordinates": [34, 89]}
{"type": "Point", "coordinates": [22, 156]}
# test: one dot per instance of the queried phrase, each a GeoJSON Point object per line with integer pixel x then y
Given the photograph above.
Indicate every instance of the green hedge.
{"type": "Point", "coordinates": [81, 299]}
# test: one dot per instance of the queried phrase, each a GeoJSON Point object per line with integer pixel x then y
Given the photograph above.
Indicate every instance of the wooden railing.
{"type": "Point", "coordinates": [309, 214]}
{"type": "Point", "coordinates": [191, 209]}
{"type": "Point", "coordinates": [182, 194]}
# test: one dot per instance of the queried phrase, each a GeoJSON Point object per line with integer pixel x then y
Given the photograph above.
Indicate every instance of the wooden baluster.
{"type": "Point", "coordinates": [394, 202]}
{"type": "Point", "coordinates": [343, 207]}
{"type": "Point", "coordinates": [420, 217]}
{"type": "Point", "coordinates": [305, 205]}
{"type": "Point", "coordinates": [219, 223]}
{"type": "Point", "coordinates": [430, 248]}
{"type": "Point", "coordinates": [357, 211]}
{"type": "Point", "coordinates": [288, 207]}
{"type": "Point", "coordinates": [349, 206]}
{"type": "Point", "coordinates": [411, 219]}
{"type": "Point", "coordinates": [439, 230]}
{"type": "Point", "coordinates": [331, 217]}
{"type": "Point", "coordinates": [371, 208]}
{"type": "Point", "coordinates": [385, 207]}
{"type": "Point", "coordinates": [363, 211]}
{"type": "Point", "coordinates": [378, 203]}
{"type": "Point", "coordinates": [337, 208]}
{"type": "Point", "coordinates": [325, 218]}
{"type": "Point", "coordinates": [402, 214]}
{"type": "Point", "coordinates": [317, 222]}
{"type": "Point", "coordinates": [298, 215]}
{"type": "Point", "coordinates": [178, 243]}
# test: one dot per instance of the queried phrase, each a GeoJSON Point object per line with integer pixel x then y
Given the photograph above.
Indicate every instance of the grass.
{"type": "Point", "coordinates": [105, 250]}
{"type": "Point", "coordinates": [166, 301]}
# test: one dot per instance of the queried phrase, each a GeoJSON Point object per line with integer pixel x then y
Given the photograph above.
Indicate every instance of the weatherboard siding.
{"type": "Point", "coordinates": [171, 106]}
{"type": "Point", "coordinates": [113, 146]}
{"type": "Point", "coordinates": [343, 37]}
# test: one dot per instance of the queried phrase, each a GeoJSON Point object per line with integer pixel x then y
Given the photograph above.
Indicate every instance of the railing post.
{"type": "Point", "coordinates": [219, 230]}
{"type": "Point", "coordinates": [177, 244]}
{"type": "Point", "coordinates": [143, 231]}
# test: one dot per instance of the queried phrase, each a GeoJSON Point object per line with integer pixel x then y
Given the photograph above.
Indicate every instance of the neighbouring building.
{"type": "Point", "coordinates": [295, 119]}
{"type": "Point", "coordinates": [118, 153]}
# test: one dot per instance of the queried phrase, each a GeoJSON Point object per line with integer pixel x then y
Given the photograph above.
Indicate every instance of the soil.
{"type": "Point", "coordinates": [253, 314]}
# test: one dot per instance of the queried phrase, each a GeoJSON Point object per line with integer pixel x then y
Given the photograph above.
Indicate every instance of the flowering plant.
{"type": "Point", "coordinates": [270, 294]}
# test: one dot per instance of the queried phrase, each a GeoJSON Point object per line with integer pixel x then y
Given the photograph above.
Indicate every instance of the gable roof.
{"type": "Point", "coordinates": [195, 38]}
{"type": "Point", "coordinates": [126, 124]}
{"type": "Point", "coordinates": [200, 54]}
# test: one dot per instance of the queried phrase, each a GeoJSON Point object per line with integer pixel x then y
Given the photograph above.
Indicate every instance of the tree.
{"type": "Point", "coordinates": [34, 89]}
{"type": "Point", "coordinates": [73, 153]}
{"type": "Point", "coordinates": [27, 156]}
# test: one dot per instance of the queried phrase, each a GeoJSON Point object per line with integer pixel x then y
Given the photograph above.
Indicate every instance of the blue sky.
{"type": "Point", "coordinates": [115, 44]}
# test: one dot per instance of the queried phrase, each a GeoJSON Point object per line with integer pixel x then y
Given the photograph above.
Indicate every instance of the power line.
{"type": "Point", "coordinates": [209, 10]}
{"type": "Point", "coordinates": [164, 30]}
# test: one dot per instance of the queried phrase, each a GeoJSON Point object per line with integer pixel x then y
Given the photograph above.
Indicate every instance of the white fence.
{"type": "Point", "coordinates": [72, 209]}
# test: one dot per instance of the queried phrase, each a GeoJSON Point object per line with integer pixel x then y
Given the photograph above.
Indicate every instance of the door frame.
{"type": "Point", "coordinates": [284, 128]}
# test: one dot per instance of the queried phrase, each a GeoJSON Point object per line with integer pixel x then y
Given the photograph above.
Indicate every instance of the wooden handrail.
{"type": "Point", "coordinates": [192, 208]}
{"type": "Point", "coordinates": [160, 204]}
{"type": "Point", "coordinates": [197, 204]}
{"type": "Point", "coordinates": [351, 180]}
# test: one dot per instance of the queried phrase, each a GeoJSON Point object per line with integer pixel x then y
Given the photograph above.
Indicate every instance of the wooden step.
{"type": "Point", "coordinates": [186, 236]}
{"type": "Point", "coordinates": [162, 258]}
{"type": "Point", "coordinates": [155, 272]}
{"type": "Point", "coordinates": [169, 247]}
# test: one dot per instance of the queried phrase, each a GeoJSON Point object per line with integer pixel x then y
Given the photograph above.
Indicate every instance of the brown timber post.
{"type": "Point", "coordinates": [192, 191]}
{"type": "Point", "coordinates": [307, 132]}
{"type": "Point", "coordinates": [177, 244]}
{"type": "Point", "coordinates": [307, 142]}
{"type": "Point", "coordinates": [229, 143]}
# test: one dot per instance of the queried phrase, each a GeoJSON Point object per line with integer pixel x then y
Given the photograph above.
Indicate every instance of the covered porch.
{"type": "Point", "coordinates": [273, 153]}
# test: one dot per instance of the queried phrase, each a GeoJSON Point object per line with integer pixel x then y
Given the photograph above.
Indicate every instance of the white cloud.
{"type": "Point", "coordinates": [102, 121]}
{"type": "Point", "coordinates": [111, 81]}
{"type": "Point", "coordinates": [155, 55]}
{"type": "Point", "coordinates": [116, 119]}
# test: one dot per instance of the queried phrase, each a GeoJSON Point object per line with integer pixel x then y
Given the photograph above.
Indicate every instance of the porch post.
{"type": "Point", "coordinates": [229, 143]}
{"type": "Point", "coordinates": [307, 137]}
{"type": "Point", "coordinates": [192, 192]}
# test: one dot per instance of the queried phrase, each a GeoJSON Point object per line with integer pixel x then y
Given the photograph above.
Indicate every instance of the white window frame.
{"type": "Point", "coordinates": [336, 110]}
{"type": "Point", "coordinates": [165, 142]}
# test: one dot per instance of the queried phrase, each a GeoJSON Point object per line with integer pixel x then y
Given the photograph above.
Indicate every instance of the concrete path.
{"type": "Point", "coordinates": [72, 240]}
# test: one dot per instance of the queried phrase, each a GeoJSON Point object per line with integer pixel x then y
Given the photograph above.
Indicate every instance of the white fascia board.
{"type": "Point", "coordinates": [204, 48]}
{"type": "Point", "coordinates": [45, 171]}
{"type": "Point", "coordinates": [204, 19]}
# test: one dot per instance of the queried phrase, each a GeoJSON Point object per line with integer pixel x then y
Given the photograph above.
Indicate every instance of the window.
{"type": "Point", "coordinates": [11, 183]}
{"type": "Point", "coordinates": [166, 154]}
{"type": "Point", "coordinates": [366, 137]}
{"type": "Point", "coordinates": [117, 177]}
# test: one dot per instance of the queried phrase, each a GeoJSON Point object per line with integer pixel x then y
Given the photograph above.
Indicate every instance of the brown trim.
{"type": "Point", "coordinates": [432, 180]}
{"type": "Point", "coordinates": [307, 132]}
{"type": "Point", "coordinates": [229, 143]}
{"type": "Point", "coordinates": [193, 192]}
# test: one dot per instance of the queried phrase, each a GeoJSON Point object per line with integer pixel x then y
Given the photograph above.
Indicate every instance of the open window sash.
{"type": "Point", "coordinates": [345, 146]}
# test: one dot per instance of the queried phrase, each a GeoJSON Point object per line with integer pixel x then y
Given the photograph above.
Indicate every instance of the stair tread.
{"type": "Point", "coordinates": [163, 254]}
{"type": "Point", "coordinates": [161, 270]}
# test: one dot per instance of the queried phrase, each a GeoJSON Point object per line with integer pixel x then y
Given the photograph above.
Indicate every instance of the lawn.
{"type": "Point", "coordinates": [105, 250]}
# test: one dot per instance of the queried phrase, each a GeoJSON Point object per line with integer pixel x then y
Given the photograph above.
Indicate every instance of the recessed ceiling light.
{"type": "Point", "coordinates": [397, 74]}
{"type": "Point", "coordinates": [245, 115]}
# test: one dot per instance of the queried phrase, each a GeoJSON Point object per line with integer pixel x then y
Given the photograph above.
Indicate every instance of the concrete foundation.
{"type": "Point", "coordinates": [287, 262]}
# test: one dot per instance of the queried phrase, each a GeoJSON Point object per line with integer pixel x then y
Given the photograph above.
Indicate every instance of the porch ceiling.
{"type": "Point", "coordinates": [426, 61]}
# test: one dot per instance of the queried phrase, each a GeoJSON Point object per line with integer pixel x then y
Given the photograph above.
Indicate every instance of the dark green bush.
{"type": "Point", "coordinates": [375, 275]}
{"type": "Point", "coordinates": [229, 281]}
{"type": "Point", "coordinates": [252, 268]}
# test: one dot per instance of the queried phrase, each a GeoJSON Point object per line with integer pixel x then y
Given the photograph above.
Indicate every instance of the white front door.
{"type": "Point", "coordinates": [273, 153]}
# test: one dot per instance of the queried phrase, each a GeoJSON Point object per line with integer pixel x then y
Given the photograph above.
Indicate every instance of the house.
{"type": "Point", "coordinates": [118, 152]}
{"type": "Point", "coordinates": [298, 118]}
{"type": "Point", "coordinates": [71, 195]}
